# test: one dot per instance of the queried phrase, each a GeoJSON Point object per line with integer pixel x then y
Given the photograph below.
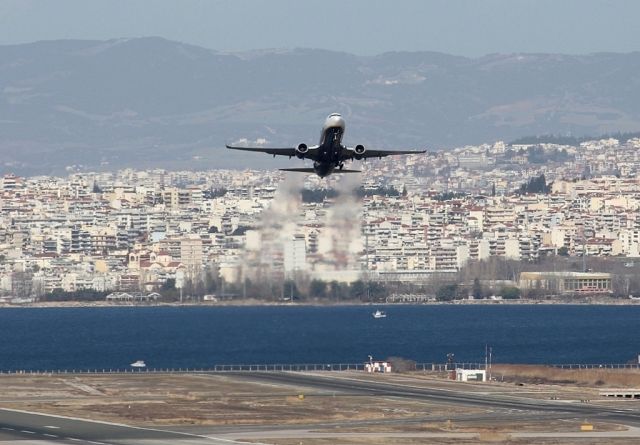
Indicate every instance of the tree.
{"type": "Point", "coordinates": [79, 295]}
{"type": "Point", "coordinates": [338, 291]}
{"type": "Point", "coordinates": [510, 293]}
{"type": "Point", "coordinates": [563, 251]}
{"type": "Point", "coordinates": [447, 292]}
{"type": "Point", "coordinates": [317, 289]}
{"type": "Point", "coordinates": [380, 190]}
{"type": "Point", "coordinates": [358, 290]}
{"type": "Point", "coordinates": [535, 185]}
{"type": "Point", "coordinates": [170, 284]}
{"type": "Point", "coordinates": [477, 288]}
{"type": "Point", "coordinates": [290, 290]}
{"type": "Point", "coordinates": [376, 291]}
{"type": "Point", "coordinates": [211, 281]}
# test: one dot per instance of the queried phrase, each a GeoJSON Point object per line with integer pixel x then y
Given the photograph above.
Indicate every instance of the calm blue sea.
{"type": "Point", "coordinates": [87, 338]}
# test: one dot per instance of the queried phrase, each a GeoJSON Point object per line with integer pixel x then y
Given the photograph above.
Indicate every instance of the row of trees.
{"type": "Point", "coordinates": [480, 279]}
{"type": "Point", "coordinates": [314, 290]}
{"type": "Point", "coordinates": [274, 290]}
{"type": "Point", "coordinates": [79, 295]}
{"type": "Point", "coordinates": [449, 292]}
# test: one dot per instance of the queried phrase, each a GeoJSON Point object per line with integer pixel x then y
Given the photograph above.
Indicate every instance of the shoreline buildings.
{"type": "Point", "coordinates": [134, 230]}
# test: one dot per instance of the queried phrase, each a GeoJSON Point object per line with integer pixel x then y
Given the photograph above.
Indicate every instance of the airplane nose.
{"type": "Point", "coordinates": [335, 120]}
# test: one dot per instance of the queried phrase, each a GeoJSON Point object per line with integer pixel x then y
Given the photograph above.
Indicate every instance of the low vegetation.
{"type": "Point", "coordinates": [79, 295]}
{"type": "Point", "coordinates": [538, 374]}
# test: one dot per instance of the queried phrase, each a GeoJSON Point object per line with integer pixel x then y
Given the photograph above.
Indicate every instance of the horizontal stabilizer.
{"type": "Point", "coordinates": [301, 170]}
{"type": "Point", "coordinates": [310, 170]}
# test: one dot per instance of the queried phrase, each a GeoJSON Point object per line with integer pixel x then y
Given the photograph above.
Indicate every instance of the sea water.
{"type": "Point", "coordinates": [204, 336]}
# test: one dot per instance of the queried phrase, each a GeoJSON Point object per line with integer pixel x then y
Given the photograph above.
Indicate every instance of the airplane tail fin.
{"type": "Point", "coordinates": [310, 170]}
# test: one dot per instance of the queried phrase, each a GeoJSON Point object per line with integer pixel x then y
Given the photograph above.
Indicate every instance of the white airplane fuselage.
{"type": "Point", "coordinates": [330, 145]}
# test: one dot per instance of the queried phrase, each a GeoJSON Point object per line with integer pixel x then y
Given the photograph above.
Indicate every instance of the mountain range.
{"type": "Point", "coordinates": [151, 102]}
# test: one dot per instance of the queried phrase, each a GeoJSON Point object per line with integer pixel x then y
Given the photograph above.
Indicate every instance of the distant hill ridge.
{"type": "Point", "coordinates": [573, 140]}
{"type": "Point", "coordinates": [152, 102]}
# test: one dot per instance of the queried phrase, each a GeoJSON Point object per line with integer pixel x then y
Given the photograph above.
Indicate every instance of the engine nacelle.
{"type": "Point", "coordinates": [359, 150]}
{"type": "Point", "coordinates": [302, 149]}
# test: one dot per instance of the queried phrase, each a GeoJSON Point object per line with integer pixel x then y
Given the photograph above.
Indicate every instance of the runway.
{"type": "Point", "coordinates": [503, 404]}
{"type": "Point", "coordinates": [535, 407]}
{"type": "Point", "coordinates": [41, 429]}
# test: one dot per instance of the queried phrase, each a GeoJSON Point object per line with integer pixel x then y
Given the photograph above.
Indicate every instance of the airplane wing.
{"type": "Point", "coordinates": [289, 151]}
{"type": "Point", "coordinates": [285, 151]}
{"type": "Point", "coordinates": [352, 154]}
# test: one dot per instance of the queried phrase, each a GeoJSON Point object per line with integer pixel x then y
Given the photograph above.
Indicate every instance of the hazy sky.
{"type": "Point", "coordinates": [465, 27]}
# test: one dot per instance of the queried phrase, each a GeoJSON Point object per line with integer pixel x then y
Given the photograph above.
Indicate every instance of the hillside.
{"type": "Point", "coordinates": [152, 102]}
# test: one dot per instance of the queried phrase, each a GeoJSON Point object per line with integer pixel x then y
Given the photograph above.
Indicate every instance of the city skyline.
{"type": "Point", "coordinates": [428, 221]}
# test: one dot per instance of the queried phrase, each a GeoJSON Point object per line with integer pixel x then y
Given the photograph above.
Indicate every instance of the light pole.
{"type": "Point", "coordinates": [490, 353]}
{"type": "Point", "coordinates": [450, 357]}
{"type": "Point", "coordinates": [486, 357]}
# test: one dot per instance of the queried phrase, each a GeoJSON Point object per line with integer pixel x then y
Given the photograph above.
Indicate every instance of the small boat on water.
{"type": "Point", "coordinates": [139, 364]}
{"type": "Point", "coordinates": [379, 314]}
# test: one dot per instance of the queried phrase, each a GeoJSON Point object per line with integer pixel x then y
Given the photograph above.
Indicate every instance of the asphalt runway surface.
{"type": "Point", "coordinates": [28, 428]}
{"type": "Point", "coordinates": [627, 416]}
{"type": "Point", "coordinates": [33, 428]}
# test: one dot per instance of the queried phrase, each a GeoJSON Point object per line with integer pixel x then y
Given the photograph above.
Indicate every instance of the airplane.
{"type": "Point", "coordinates": [329, 155]}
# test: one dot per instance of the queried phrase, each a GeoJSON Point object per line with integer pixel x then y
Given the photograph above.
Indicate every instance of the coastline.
{"type": "Point", "coordinates": [259, 303]}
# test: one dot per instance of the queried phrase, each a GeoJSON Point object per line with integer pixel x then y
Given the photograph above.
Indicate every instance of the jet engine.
{"type": "Point", "coordinates": [301, 150]}
{"type": "Point", "coordinates": [359, 150]}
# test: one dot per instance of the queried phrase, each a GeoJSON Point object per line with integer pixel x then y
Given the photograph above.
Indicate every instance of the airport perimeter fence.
{"type": "Point", "coordinates": [598, 366]}
{"type": "Point", "coordinates": [314, 367]}
{"type": "Point", "coordinates": [305, 367]}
